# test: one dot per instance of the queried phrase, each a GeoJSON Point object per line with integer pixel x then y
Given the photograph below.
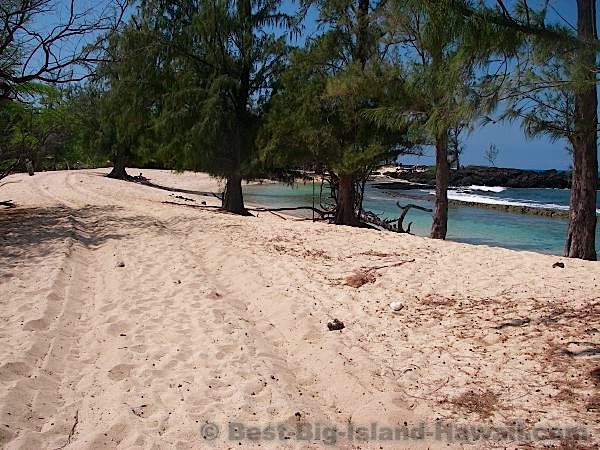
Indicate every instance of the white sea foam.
{"type": "Point", "coordinates": [477, 198]}
{"type": "Point", "coordinates": [486, 188]}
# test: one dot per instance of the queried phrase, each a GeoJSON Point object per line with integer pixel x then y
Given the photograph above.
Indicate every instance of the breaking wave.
{"type": "Point", "coordinates": [486, 188]}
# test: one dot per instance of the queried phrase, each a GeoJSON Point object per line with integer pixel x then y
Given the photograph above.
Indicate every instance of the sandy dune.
{"type": "Point", "coordinates": [130, 323]}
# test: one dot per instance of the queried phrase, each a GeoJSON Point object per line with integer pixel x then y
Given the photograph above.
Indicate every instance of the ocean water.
{"type": "Point", "coordinates": [465, 224]}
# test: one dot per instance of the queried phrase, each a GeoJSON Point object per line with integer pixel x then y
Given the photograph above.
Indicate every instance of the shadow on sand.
{"type": "Point", "coordinates": [149, 183]}
{"type": "Point", "coordinates": [36, 232]}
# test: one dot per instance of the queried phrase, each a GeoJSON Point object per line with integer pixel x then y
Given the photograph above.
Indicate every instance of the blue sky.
{"type": "Point", "coordinates": [515, 149]}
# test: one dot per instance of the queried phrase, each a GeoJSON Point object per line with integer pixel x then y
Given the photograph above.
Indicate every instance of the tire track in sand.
{"type": "Point", "coordinates": [33, 412]}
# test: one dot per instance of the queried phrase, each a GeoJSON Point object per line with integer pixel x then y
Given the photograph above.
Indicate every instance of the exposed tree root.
{"type": "Point", "coordinates": [396, 225]}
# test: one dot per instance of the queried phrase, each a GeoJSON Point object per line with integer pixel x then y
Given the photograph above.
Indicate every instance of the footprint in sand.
{"type": "Point", "coordinates": [108, 307]}
{"type": "Point", "coordinates": [13, 370]}
{"type": "Point", "coordinates": [120, 372]}
{"type": "Point", "coordinates": [35, 325]}
{"type": "Point", "coordinates": [140, 348]}
{"type": "Point", "coordinates": [117, 328]}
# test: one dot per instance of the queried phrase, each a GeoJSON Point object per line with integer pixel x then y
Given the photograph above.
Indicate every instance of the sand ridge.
{"type": "Point", "coordinates": [130, 323]}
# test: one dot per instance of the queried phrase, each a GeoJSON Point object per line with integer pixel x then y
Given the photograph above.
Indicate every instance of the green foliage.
{"type": "Point", "coordinates": [439, 90]}
{"type": "Point", "coordinates": [225, 61]}
{"type": "Point", "coordinates": [540, 93]}
{"type": "Point", "coordinates": [317, 116]}
{"type": "Point", "coordinates": [127, 97]}
{"type": "Point", "coordinates": [44, 130]}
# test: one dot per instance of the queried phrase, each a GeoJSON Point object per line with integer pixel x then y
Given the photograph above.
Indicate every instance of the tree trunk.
{"type": "Point", "coordinates": [581, 234]}
{"type": "Point", "coordinates": [29, 167]}
{"type": "Point", "coordinates": [118, 171]}
{"type": "Point", "coordinates": [362, 38]}
{"type": "Point", "coordinates": [440, 212]}
{"type": "Point", "coordinates": [233, 198]}
{"type": "Point", "coordinates": [345, 213]}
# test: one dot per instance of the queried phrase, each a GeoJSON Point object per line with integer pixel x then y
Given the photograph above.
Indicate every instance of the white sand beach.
{"type": "Point", "coordinates": [131, 323]}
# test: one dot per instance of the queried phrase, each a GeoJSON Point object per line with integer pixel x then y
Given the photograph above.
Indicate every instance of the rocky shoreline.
{"type": "Point", "coordinates": [424, 178]}
{"type": "Point", "coordinates": [530, 210]}
{"type": "Point", "coordinates": [516, 209]}
{"type": "Point", "coordinates": [482, 176]}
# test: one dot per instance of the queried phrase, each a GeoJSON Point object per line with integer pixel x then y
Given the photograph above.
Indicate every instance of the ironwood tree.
{"type": "Point", "coordinates": [131, 84]}
{"type": "Point", "coordinates": [581, 234]}
{"type": "Point", "coordinates": [440, 100]}
{"type": "Point", "coordinates": [225, 57]}
{"type": "Point", "coordinates": [317, 115]}
{"type": "Point", "coordinates": [553, 90]}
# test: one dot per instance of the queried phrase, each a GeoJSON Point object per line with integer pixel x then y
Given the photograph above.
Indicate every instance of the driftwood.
{"type": "Point", "coordinates": [390, 265]}
{"type": "Point", "coordinates": [192, 206]}
{"type": "Point", "coordinates": [269, 211]}
{"type": "Point", "coordinates": [368, 218]}
{"type": "Point", "coordinates": [8, 204]}
{"type": "Point", "coordinates": [180, 197]}
{"type": "Point", "coordinates": [396, 225]}
{"type": "Point", "coordinates": [324, 215]}
{"type": "Point", "coordinates": [405, 210]}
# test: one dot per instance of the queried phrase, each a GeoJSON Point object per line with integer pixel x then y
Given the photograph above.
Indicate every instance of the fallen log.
{"type": "Point", "coordinates": [323, 214]}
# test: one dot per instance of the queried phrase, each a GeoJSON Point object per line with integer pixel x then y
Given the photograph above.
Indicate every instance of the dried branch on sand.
{"type": "Point", "coordinates": [368, 274]}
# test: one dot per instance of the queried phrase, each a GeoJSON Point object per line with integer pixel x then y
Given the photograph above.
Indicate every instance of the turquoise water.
{"type": "Point", "coordinates": [471, 225]}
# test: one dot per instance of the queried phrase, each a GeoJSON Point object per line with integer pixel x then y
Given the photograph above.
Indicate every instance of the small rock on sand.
{"type": "Point", "coordinates": [335, 325]}
{"type": "Point", "coordinates": [396, 306]}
